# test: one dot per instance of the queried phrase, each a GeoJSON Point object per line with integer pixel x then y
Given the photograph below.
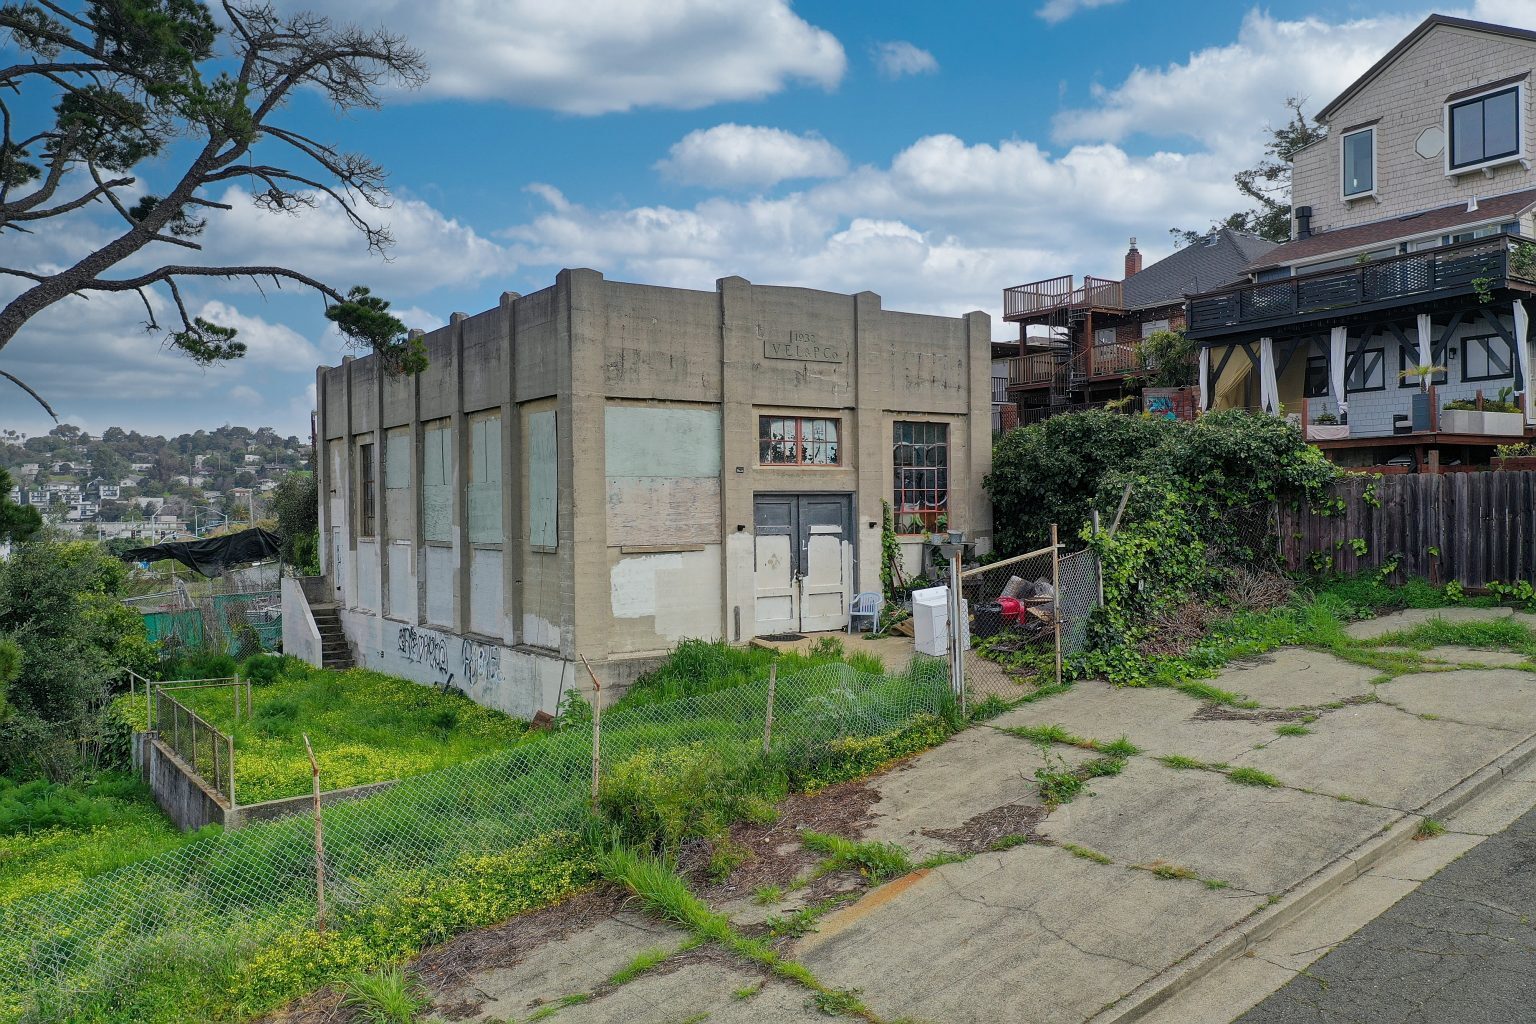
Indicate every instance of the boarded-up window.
{"type": "Point", "coordinates": [437, 482]}
{"type": "Point", "coordinates": [485, 479]}
{"type": "Point", "coordinates": [398, 514]}
{"type": "Point", "coordinates": [366, 509]}
{"type": "Point", "coordinates": [543, 480]}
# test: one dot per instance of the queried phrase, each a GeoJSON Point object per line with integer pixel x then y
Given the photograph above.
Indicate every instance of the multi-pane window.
{"type": "Point", "coordinates": [1316, 383]}
{"type": "Point", "coordinates": [922, 475]}
{"type": "Point", "coordinates": [1360, 163]}
{"type": "Point", "coordinates": [1368, 372]}
{"type": "Point", "coordinates": [1485, 128]}
{"type": "Point", "coordinates": [1410, 360]}
{"type": "Point", "coordinates": [1486, 358]}
{"type": "Point", "coordinates": [797, 441]}
{"type": "Point", "coordinates": [367, 507]}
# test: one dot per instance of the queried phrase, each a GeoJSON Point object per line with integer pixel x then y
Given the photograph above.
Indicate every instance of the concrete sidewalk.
{"type": "Point", "coordinates": [1105, 907]}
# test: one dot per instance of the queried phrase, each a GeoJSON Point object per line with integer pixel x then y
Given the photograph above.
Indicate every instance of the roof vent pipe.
{"type": "Point", "coordinates": [1303, 222]}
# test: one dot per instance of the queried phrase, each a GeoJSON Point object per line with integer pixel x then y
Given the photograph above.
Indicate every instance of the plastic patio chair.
{"type": "Point", "coordinates": [865, 606]}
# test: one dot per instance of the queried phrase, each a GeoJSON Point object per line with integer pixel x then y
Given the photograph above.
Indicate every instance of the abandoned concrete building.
{"type": "Point", "coordinates": [600, 470]}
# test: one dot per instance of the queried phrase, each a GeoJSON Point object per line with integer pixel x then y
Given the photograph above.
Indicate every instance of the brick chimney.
{"type": "Point", "coordinates": [1132, 259]}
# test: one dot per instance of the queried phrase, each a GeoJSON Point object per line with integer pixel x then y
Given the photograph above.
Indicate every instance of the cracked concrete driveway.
{"type": "Point", "coordinates": [1152, 878]}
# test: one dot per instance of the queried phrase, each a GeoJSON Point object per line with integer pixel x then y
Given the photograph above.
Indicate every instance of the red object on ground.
{"type": "Point", "coordinates": [1012, 609]}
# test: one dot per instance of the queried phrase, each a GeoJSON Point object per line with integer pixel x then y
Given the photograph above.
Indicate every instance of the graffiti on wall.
{"type": "Point", "coordinates": [482, 663]}
{"type": "Point", "coordinates": [421, 647]}
{"type": "Point", "coordinates": [479, 664]}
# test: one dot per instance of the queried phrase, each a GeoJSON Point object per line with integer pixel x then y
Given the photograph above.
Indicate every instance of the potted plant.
{"type": "Point", "coordinates": [1327, 426]}
{"type": "Point", "coordinates": [1461, 416]}
{"type": "Point", "coordinates": [1425, 372]}
{"type": "Point", "coordinates": [1513, 457]}
{"type": "Point", "coordinates": [1484, 416]}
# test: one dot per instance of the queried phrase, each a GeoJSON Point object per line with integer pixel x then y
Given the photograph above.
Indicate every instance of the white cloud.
{"type": "Point", "coordinates": [430, 250]}
{"type": "Point", "coordinates": [601, 56]}
{"type": "Point", "coordinates": [245, 395]}
{"type": "Point", "coordinates": [898, 57]}
{"type": "Point", "coordinates": [267, 343]}
{"type": "Point", "coordinates": [736, 155]}
{"type": "Point", "coordinates": [1056, 11]}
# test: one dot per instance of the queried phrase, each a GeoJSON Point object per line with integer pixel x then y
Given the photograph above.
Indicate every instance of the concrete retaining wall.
{"type": "Point", "coordinates": [185, 798]}
{"type": "Point", "coordinates": [301, 637]}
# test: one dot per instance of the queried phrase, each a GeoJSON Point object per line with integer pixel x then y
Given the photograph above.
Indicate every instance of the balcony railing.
{"type": "Point", "coordinates": [1055, 293]}
{"type": "Point", "coordinates": [1114, 358]}
{"type": "Point", "coordinates": [1379, 283]}
{"type": "Point", "coordinates": [1035, 368]}
{"type": "Point", "coordinates": [999, 389]}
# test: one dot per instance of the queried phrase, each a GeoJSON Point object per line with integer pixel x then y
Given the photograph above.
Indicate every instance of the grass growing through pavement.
{"type": "Point", "coordinates": [1429, 828]}
{"type": "Point", "coordinates": [1247, 776]}
{"type": "Point", "coordinates": [1293, 729]}
{"type": "Point", "coordinates": [1087, 854]}
{"type": "Point", "coordinates": [877, 862]}
{"type": "Point", "coordinates": [643, 961]}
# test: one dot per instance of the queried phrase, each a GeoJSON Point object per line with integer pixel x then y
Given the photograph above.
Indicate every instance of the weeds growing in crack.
{"type": "Point", "coordinates": [767, 895]}
{"type": "Point", "coordinates": [803, 921]}
{"type": "Point", "coordinates": [1182, 763]}
{"type": "Point", "coordinates": [1100, 767]}
{"type": "Point", "coordinates": [1246, 776]}
{"type": "Point", "coordinates": [1058, 783]}
{"type": "Point", "coordinates": [1293, 729]}
{"type": "Point", "coordinates": [663, 892]}
{"type": "Point", "coordinates": [1048, 734]}
{"type": "Point", "coordinates": [1178, 872]}
{"type": "Point", "coordinates": [1121, 747]}
{"type": "Point", "coordinates": [938, 860]}
{"type": "Point", "coordinates": [747, 991]}
{"type": "Point", "coordinates": [1008, 842]}
{"type": "Point", "coordinates": [1086, 854]}
{"type": "Point", "coordinates": [877, 862]}
{"type": "Point", "coordinates": [642, 962]}
{"type": "Point", "coordinates": [1429, 828]}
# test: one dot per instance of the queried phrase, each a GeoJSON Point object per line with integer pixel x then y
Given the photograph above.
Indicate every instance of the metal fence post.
{"type": "Point", "coordinates": [956, 633]}
{"type": "Point", "coordinates": [231, 740]}
{"type": "Point", "coordinates": [1056, 587]}
{"type": "Point", "coordinates": [773, 682]}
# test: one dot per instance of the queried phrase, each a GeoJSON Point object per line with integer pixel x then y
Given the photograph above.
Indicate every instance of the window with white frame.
{"type": "Point", "coordinates": [1484, 128]}
{"type": "Point", "coordinates": [1104, 336]}
{"type": "Point", "coordinates": [1359, 163]}
{"type": "Point", "coordinates": [1152, 327]}
{"type": "Point", "coordinates": [1486, 358]}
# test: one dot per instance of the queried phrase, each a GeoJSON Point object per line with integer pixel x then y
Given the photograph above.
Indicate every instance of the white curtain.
{"type": "Point", "coordinates": [1523, 353]}
{"type": "Point", "coordinates": [1205, 376]}
{"type": "Point", "coordinates": [1426, 346]}
{"type": "Point", "coordinates": [1338, 352]}
{"type": "Point", "coordinates": [1269, 388]}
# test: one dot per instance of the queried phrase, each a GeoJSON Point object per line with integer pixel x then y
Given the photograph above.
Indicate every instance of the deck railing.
{"type": "Point", "coordinates": [999, 389]}
{"type": "Point", "coordinates": [1114, 358]}
{"type": "Point", "coordinates": [1463, 267]}
{"type": "Point", "coordinates": [1034, 368]}
{"type": "Point", "coordinates": [1059, 293]}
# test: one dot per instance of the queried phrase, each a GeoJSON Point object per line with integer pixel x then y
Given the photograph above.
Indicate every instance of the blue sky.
{"type": "Point", "coordinates": [933, 153]}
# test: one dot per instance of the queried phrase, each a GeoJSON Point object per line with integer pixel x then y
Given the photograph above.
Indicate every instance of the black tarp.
{"type": "Point", "coordinates": [213, 555]}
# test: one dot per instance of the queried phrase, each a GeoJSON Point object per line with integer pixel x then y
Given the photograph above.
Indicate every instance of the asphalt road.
{"type": "Point", "coordinates": [1461, 949]}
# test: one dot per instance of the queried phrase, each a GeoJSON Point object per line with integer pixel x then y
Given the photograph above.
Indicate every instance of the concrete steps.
{"type": "Point", "coordinates": [334, 650]}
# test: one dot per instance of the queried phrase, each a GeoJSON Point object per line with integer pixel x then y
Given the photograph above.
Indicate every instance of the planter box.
{"type": "Point", "coordinates": [1327, 431]}
{"type": "Point", "coordinates": [1518, 463]}
{"type": "Point", "coordinates": [1470, 421]}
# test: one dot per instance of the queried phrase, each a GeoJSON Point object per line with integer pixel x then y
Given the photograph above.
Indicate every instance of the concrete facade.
{"type": "Point", "coordinates": [577, 474]}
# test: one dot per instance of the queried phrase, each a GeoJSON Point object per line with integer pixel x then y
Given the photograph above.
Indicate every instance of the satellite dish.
{"type": "Point", "coordinates": [1431, 143]}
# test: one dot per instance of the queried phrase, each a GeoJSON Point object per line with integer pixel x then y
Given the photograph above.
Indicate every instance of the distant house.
{"type": "Point", "coordinates": [1413, 244]}
{"type": "Point", "coordinates": [1086, 336]}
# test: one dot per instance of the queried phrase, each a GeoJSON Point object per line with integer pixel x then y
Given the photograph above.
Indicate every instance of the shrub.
{"type": "Point", "coordinates": [657, 799]}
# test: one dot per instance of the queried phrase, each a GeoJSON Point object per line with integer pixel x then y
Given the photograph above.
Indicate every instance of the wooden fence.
{"type": "Point", "coordinates": [1474, 528]}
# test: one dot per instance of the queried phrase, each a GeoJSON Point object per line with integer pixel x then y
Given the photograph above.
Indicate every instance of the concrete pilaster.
{"type": "Point", "coordinates": [871, 450]}
{"type": "Point", "coordinates": [739, 341]}
{"type": "Point", "coordinates": [511, 479]}
{"type": "Point", "coordinates": [583, 478]}
{"type": "Point", "coordinates": [461, 551]}
{"type": "Point", "coordinates": [978, 512]}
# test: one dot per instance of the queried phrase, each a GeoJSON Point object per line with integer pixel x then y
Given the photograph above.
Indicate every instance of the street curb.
{"type": "Point", "coordinates": [1345, 868]}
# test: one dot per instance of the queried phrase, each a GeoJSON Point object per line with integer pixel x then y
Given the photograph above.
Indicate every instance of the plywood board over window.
{"type": "Point", "coordinates": [399, 517]}
{"type": "Point", "coordinates": [485, 479]}
{"type": "Point", "coordinates": [437, 482]}
{"type": "Point", "coordinates": [663, 475]}
{"type": "Point", "coordinates": [543, 480]}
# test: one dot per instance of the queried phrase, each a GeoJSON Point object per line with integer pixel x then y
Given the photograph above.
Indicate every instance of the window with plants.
{"type": "Point", "coordinates": [921, 491]}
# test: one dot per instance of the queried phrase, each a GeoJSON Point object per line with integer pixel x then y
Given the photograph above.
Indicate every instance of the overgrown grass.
{"type": "Point", "coordinates": [54, 836]}
{"type": "Point", "coordinates": [385, 996]}
{"type": "Point", "coordinates": [877, 862]}
{"type": "Point", "coordinates": [365, 727]}
{"type": "Point", "coordinates": [643, 961]}
{"type": "Point", "coordinates": [698, 667]}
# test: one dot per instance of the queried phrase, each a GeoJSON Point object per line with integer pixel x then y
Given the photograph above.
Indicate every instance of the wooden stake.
{"type": "Point", "coordinates": [597, 729]}
{"type": "Point", "coordinates": [773, 682]}
{"type": "Point", "coordinates": [1056, 583]}
{"type": "Point", "coordinates": [1124, 498]}
{"type": "Point", "coordinates": [314, 771]}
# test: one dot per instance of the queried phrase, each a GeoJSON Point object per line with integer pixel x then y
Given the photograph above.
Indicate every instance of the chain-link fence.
{"type": "Point", "coordinates": [1026, 613]}
{"type": "Point", "coordinates": [240, 889]}
{"type": "Point", "coordinates": [240, 612]}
